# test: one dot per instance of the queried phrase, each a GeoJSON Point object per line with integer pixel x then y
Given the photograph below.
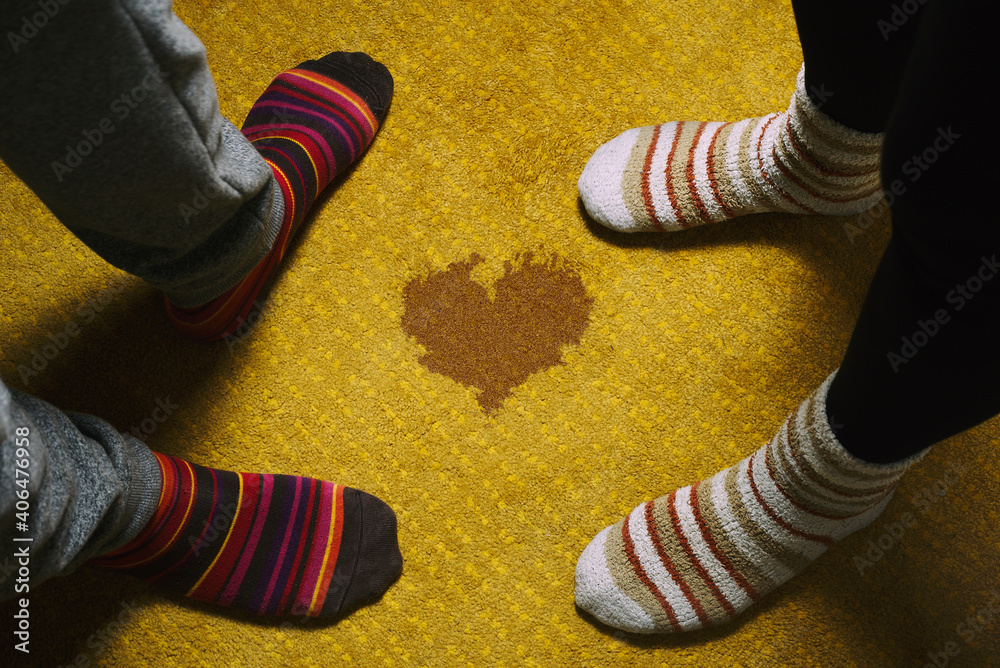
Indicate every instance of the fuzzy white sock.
{"type": "Point", "coordinates": [686, 173]}
{"type": "Point", "coordinates": [704, 553]}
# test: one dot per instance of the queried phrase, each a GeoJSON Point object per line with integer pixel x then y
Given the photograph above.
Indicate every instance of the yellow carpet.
{"type": "Point", "coordinates": [688, 352]}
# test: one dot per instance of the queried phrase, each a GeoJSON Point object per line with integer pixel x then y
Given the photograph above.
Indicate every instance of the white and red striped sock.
{"type": "Point", "coordinates": [681, 174]}
{"type": "Point", "coordinates": [703, 554]}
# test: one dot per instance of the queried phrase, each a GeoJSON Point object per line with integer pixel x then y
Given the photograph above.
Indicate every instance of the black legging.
{"type": "Point", "coordinates": [923, 362]}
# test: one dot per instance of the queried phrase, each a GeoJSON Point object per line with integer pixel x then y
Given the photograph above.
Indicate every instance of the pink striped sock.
{"type": "Point", "coordinates": [271, 544]}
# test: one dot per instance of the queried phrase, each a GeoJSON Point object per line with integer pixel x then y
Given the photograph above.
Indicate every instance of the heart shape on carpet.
{"type": "Point", "coordinates": [496, 344]}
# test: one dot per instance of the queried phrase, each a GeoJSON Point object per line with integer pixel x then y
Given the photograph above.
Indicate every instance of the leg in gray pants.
{"type": "Point", "coordinates": [110, 116]}
{"type": "Point", "coordinates": [71, 483]}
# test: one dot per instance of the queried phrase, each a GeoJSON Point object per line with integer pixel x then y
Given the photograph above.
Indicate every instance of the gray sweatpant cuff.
{"type": "Point", "coordinates": [144, 486]}
{"type": "Point", "coordinates": [265, 213]}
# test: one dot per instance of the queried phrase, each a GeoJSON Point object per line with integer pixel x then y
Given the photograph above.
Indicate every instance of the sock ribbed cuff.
{"type": "Point", "coordinates": [818, 165]}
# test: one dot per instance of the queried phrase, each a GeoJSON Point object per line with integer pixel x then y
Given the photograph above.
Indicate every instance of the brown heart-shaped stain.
{"type": "Point", "coordinates": [495, 345]}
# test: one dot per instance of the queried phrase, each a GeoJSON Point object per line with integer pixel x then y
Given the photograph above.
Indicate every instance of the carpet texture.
{"type": "Point", "coordinates": [453, 336]}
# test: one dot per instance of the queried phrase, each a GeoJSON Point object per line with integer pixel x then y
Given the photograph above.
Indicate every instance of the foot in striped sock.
{"type": "Point", "coordinates": [311, 123]}
{"type": "Point", "coordinates": [681, 174]}
{"type": "Point", "coordinates": [703, 554]}
{"type": "Point", "coordinates": [271, 544]}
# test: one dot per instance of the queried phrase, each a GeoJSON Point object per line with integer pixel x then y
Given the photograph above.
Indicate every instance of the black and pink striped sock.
{"type": "Point", "coordinates": [271, 544]}
{"type": "Point", "coordinates": [311, 123]}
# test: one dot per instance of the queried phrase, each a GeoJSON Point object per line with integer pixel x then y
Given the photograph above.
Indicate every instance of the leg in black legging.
{"type": "Point", "coordinates": [923, 363]}
{"type": "Point", "coordinates": [820, 156]}
{"type": "Point", "coordinates": [703, 553]}
{"type": "Point", "coordinates": [854, 62]}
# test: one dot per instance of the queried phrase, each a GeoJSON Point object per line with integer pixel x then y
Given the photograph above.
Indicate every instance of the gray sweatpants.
{"type": "Point", "coordinates": [109, 114]}
{"type": "Point", "coordinates": [72, 484]}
